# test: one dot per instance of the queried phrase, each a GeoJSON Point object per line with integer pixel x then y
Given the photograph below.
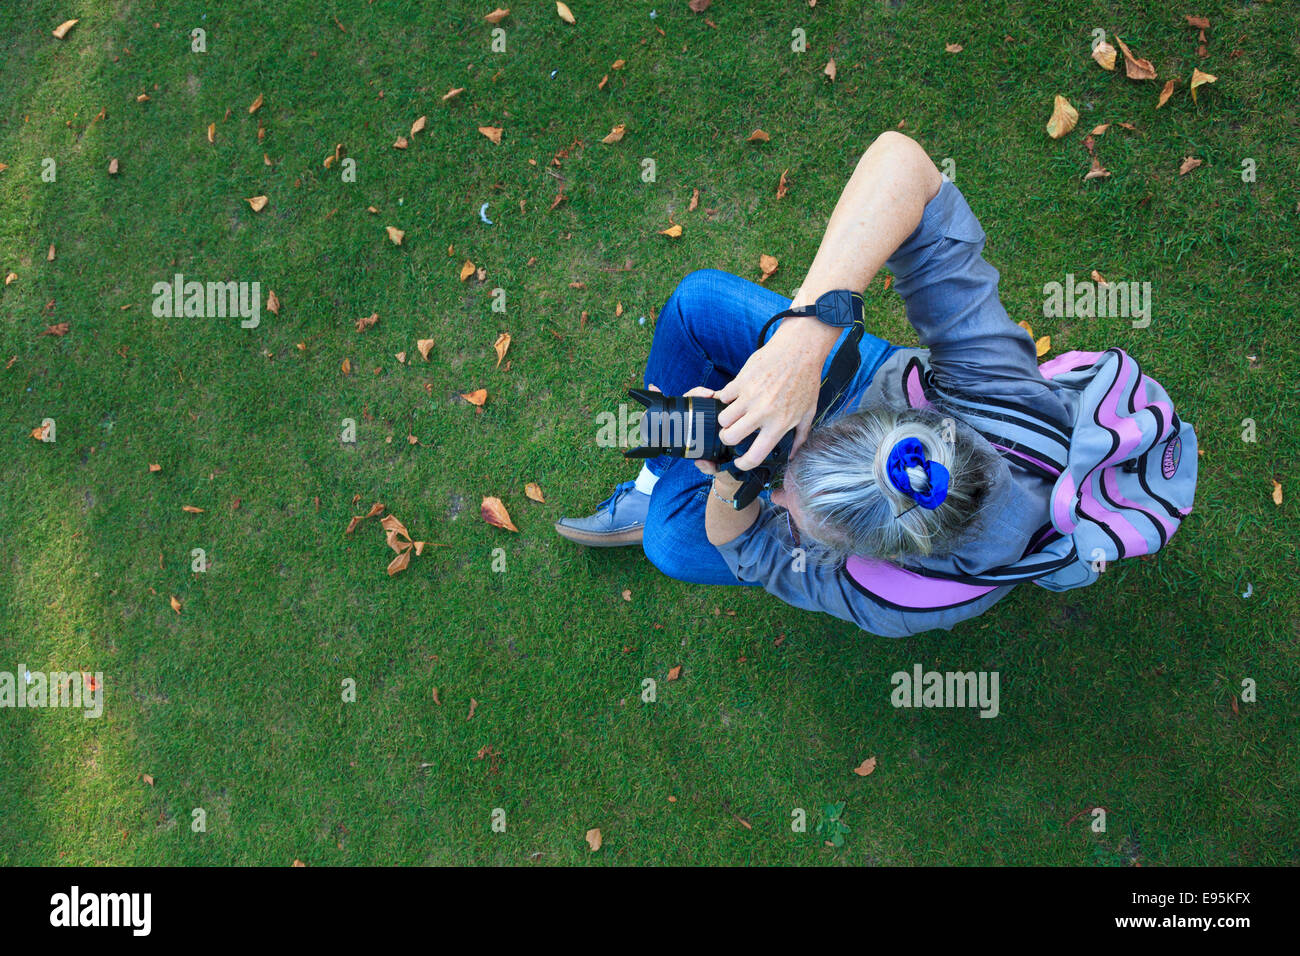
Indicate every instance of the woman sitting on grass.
{"type": "Point", "coordinates": [891, 474]}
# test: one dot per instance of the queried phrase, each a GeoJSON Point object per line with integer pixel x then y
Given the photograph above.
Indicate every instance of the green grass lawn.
{"type": "Point", "coordinates": [1126, 695]}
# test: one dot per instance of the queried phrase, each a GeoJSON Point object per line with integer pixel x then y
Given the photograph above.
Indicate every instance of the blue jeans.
{"type": "Point", "coordinates": [706, 332]}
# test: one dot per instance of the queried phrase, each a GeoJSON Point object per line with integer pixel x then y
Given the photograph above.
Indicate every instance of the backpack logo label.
{"type": "Point", "coordinates": [1173, 453]}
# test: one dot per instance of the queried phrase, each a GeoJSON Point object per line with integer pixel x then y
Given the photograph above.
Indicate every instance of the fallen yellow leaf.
{"type": "Point", "coordinates": [592, 836]}
{"type": "Point", "coordinates": [1277, 492]}
{"type": "Point", "coordinates": [62, 29]}
{"type": "Point", "coordinates": [565, 13]}
{"type": "Point", "coordinates": [1104, 54]}
{"type": "Point", "coordinates": [424, 345]}
{"type": "Point", "coordinates": [395, 234]}
{"type": "Point", "coordinates": [1043, 345]}
{"type": "Point", "coordinates": [758, 136]}
{"type": "Point", "coordinates": [476, 397]}
{"type": "Point", "coordinates": [418, 125]}
{"type": "Point", "coordinates": [672, 231]}
{"type": "Point", "coordinates": [466, 270]}
{"type": "Point", "coordinates": [615, 134]}
{"type": "Point", "coordinates": [1165, 93]}
{"type": "Point", "coordinates": [1200, 79]}
{"type": "Point", "coordinates": [501, 345]}
{"type": "Point", "coordinates": [1064, 117]}
{"type": "Point", "coordinates": [258, 203]}
{"type": "Point", "coordinates": [492, 132]}
{"type": "Point", "coordinates": [176, 605]}
{"type": "Point", "coordinates": [256, 104]}
{"type": "Point", "coordinates": [534, 492]}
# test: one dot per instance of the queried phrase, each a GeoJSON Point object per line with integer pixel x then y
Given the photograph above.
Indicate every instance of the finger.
{"type": "Point", "coordinates": [654, 388]}
{"type": "Point", "coordinates": [801, 434]}
{"type": "Point", "coordinates": [732, 413]}
{"type": "Point", "coordinates": [729, 392]}
{"type": "Point", "coordinates": [761, 448]}
{"type": "Point", "coordinates": [736, 432]}
{"type": "Point", "coordinates": [699, 391]}
{"type": "Point", "coordinates": [708, 467]}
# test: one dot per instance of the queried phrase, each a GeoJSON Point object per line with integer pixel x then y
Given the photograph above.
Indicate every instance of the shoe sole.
{"type": "Point", "coordinates": [613, 539]}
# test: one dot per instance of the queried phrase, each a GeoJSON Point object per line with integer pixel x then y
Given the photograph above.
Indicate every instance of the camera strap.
{"type": "Point", "coordinates": [847, 357]}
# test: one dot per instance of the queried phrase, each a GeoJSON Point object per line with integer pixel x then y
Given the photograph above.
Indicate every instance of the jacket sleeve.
{"type": "Point", "coordinates": [766, 554]}
{"type": "Point", "coordinates": [951, 296]}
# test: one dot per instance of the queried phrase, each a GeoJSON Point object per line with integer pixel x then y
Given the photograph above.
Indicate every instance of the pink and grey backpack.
{"type": "Point", "coordinates": [1124, 479]}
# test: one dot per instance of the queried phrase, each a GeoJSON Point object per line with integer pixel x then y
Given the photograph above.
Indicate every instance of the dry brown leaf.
{"type": "Point", "coordinates": [391, 523]}
{"type": "Point", "coordinates": [615, 134]}
{"type": "Point", "coordinates": [256, 104]}
{"type": "Point", "coordinates": [1104, 54]}
{"type": "Point", "coordinates": [62, 29]}
{"type": "Point", "coordinates": [400, 143]}
{"type": "Point", "coordinates": [395, 234]}
{"type": "Point", "coordinates": [473, 706]}
{"type": "Point", "coordinates": [191, 509]}
{"type": "Point", "coordinates": [1135, 68]}
{"type": "Point", "coordinates": [418, 125]}
{"type": "Point", "coordinates": [1277, 492]}
{"type": "Point", "coordinates": [155, 467]}
{"type": "Point", "coordinates": [783, 186]}
{"type": "Point", "coordinates": [866, 768]}
{"type": "Point", "coordinates": [476, 397]}
{"type": "Point", "coordinates": [501, 345]}
{"type": "Point", "coordinates": [142, 98]}
{"type": "Point", "coordinates": [497, 15]}
{"type": "Point", "coordinates": [49, 256]}
{"type": "Point", "coordinates": [492, 132]}
{"type": "Point", "coordinates": [40, 433]}
{"type": "Point", "coordinates": [627, 594]}
{"type": "Point", "coordinates": [145, 777]}
{"type": "Point", "coordinates": [212, 132]}
{"type": "Point", "coordinates": [424, 346]}
{"type": "Point", "coordinates": [618, 309]}
{"type": "Point", "coordinates": [673, 231]}
{"type": "Point", "coordinates": [675, 672]}
{"type": "Point", "coordinates": [1200, 79]}
{"type": "Point", "coordinates": [1098, 278]}
{"type": "Point", "coordinates": [356, 520]}
{"type": "Point", "coordinates": [534, 492]}
{"type": "Point", "coordinates": [1099, 130]}
{"type": "Point", "coordinates": [347, 366]}
{"type": "Point", "coordinates": [1027, 327]}
{"type": "Point", "coordinates": [258, 203]}
{"type": "Point", "coordinates": [493, 511]}
{"type": "Point", "coordinates": [565, 13]}
{"type": "Point", "coordinates": [952, 47]}
{"type": "Point", "coordinates": [1043, 345]}
{"type": "Point", "coordinates": [1165, 93]}
{"type": "Point", "coordinates": [453, 93]}
{"type": "Point", "coordinates": [758, 136]}
{"type": "Point", "coordinates": [375, 509]}
{"type": "Point", "coordinates": [399, 563]}
{"type": "Point", "coordinates": [59, 329]}
{"type": "Point", "coordinates": [11, 278]}
{"type": "Point", "coordinates": [273, 303]}
{"type": "Point", "coordinates": [1097, 171]}
{"type": "Point", "coordinates": [829, 69]}
{"type": "Point", "coordinates": [1190, 163]}
{"type": "Point", "coordinates": [366, 321]}
{"type": "Point", "coordinates": [176, 605]}
{"type": "Point", "coordinates": [466, 270]}
{"type": "Point", "coordinates": [400, 356]}
{"type": "Point", "coordinates": [695, 200]}
{"type": "Point", "coordinates": [113, 167]}
{"type": "Point", "coordinates": [594, 839]}
{"type": "Point", "coordinates": [1064, 118]}
{"type": "Point", "coordinates": [768, 265]}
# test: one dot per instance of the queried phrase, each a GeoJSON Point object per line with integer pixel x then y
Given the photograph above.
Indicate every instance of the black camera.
{"type": "Point", "coordinates": [687, 427]}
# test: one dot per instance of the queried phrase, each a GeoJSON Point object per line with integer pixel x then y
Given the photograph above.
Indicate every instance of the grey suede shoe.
{"type": "Point", "coordinates": [619, 520]}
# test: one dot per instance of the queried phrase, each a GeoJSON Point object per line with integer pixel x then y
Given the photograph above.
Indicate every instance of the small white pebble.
{"type": "Point", "coordinates": [641, 321]}
{"type": "Point", "coordinates": [1250, 589]}
{"type": "Point", "coordinates": [653, 14]}
{"type": "Point", "coordinates": [399, 201]}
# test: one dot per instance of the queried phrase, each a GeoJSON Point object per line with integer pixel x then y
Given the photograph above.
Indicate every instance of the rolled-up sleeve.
{"type": "Point", "coordinates": [765, 554]}
{"type": "Point", "coordinates": [951, 296]}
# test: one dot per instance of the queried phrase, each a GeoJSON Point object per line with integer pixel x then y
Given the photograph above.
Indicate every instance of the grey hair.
{"type": "Point", "coordinates": [850, 506]}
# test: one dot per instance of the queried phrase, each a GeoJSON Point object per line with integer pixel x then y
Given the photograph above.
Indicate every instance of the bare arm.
{"type": "Point", "coordinates": [878, 209]}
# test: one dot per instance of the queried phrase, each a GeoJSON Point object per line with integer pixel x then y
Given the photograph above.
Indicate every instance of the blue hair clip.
{"type": "Point", "coordinates": [910, 453]}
